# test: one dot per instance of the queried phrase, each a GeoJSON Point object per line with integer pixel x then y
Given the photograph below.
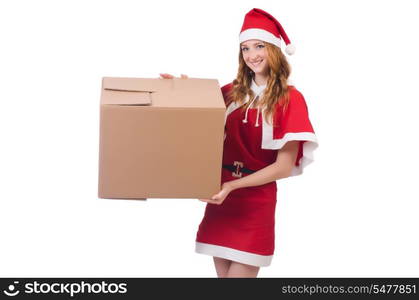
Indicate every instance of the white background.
{"type": "Point", "coordinates": [354, 211]}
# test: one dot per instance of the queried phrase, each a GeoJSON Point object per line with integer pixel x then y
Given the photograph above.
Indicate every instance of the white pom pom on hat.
{"type": "Point", "coordinates": [290, 49]}
{"type": "Point", "coordinates": [260, 25]}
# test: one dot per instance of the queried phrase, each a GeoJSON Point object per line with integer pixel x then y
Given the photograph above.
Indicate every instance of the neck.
{"type": "Point", "coordinates": [261, 79]}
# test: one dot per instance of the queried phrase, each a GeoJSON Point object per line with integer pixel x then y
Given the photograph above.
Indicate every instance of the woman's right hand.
{"type": "Point", "coordinates": [168, 76]}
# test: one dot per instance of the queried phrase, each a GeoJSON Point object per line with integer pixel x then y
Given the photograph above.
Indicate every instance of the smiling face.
{"type": "Point", "coordinates": [255, 56]}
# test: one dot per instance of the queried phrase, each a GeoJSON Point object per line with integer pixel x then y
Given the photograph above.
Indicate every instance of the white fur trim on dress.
{"type": "Point", "coordinates": [259, 34]}
{"type": "Point", "coordinates": [308, 147]}
{"type": "Point", "coordinates": [234, 255]}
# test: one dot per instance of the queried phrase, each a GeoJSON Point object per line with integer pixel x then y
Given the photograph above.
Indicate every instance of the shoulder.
{"type": "Point", "coordinates": [296, 98]}
{"type": "Point", "coordinates": [295, 103]}
{"type": "Point", "coordinates": [226, 89]}
{"type": "Point", "coordinates": [294, 93]}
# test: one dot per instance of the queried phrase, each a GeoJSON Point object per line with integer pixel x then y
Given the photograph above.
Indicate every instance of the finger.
{"type": "Point", "coordinates": [183, 76]}
{"type": "Point", "coordinates": [166, 76]}
{"type": "Point", "coordinates": [217, 202]}
{"type": "Point", "coordinates": [207, 201]}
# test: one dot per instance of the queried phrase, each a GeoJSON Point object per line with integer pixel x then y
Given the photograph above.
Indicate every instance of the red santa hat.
{"type": "Point", "coordinates": [260, 25]}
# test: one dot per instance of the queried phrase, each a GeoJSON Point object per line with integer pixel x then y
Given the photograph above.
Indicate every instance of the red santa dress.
{"type": "Point", "coordinates": [242, 228]}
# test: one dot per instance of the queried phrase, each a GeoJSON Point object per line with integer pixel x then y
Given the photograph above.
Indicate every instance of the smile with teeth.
{"type": "Point", "coordinates": [255, 64]}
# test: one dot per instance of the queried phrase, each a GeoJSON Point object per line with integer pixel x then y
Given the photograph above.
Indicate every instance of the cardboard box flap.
{"type": "Point", "coordinates": [120, 97]}
{"type": "Point", "coordinates": [129, 84]}
{"type": "Point", "coordinates": [189, 93]}
{"type": "Point", "coordinates": [168, 93]}
{"type": "Point", "coordinates": [120, 91]}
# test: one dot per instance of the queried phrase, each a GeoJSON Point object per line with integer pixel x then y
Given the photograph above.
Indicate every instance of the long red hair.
{"type": "Point", "coordinates": [276, 87]}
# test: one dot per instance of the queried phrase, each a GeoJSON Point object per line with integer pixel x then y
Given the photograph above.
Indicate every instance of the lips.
{"type": "Point", "coordinates": [256, 64]}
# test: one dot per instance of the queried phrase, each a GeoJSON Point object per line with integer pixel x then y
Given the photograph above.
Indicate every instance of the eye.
{"type": "Point", "coordinates": [244, 48]}
{"type": "Point", "coordinates": [261, 46]}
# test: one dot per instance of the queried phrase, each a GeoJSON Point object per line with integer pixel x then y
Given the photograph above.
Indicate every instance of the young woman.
{"type": "Point", "coordinates": [268, 136]}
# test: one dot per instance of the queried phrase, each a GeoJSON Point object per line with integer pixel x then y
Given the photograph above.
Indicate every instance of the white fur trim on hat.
{"type": "Point", "coordinates": [259, 34]}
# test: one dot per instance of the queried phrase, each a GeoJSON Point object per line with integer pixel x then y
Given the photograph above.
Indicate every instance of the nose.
{"type": "Point", "coordinates": [253, 56]}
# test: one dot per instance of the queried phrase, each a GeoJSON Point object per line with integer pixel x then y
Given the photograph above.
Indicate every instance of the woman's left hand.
{"type": "Point", "coordinates": [219, 198]}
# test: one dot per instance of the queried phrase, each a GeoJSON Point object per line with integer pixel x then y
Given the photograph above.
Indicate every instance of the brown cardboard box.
{"type": "Point", "coordinates": [160, 138]}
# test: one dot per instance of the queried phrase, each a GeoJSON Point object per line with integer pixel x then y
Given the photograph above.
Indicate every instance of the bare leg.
{"type": "Point", "coordinates": [242, 270]}
{"type": "Point", "coordinates": [221, 266]}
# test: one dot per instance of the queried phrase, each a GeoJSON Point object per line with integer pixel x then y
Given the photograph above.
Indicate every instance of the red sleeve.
{"type": "Point", "coordinates": [292, 125]}
{"type": "Point", "coordinates": [295, 119]}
